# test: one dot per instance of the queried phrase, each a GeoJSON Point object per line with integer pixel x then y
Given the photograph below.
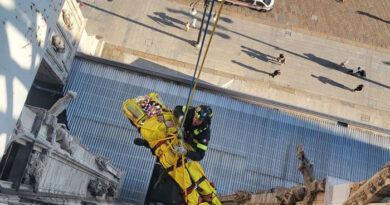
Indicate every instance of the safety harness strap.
{"type": "Point", "coordinates": [178, 164]}
{"type": "Point", "coordinates": [158, 145]}
{"type": "Point", "coordinates": [195, 185]}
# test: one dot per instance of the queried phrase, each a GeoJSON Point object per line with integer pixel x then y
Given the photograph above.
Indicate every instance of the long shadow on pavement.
{"type": "Point", "coordinates": [326, 80]}
{"type": "Point", "coordinates": [372, 16]}
{"type": "Point", "coordinates": [220, 34]}
{"type": "Point", "coordinates": [386, 62]}
{"type": "Point", "coordinates": [169, 21]}
{"type": "Point", "coordinates": [325, 63]}
{"type": "Point", "coordinates": [250, 68]}
{"type": "Point", "coordinates": [225, 19]}
{"type": "Point", "coordinates": [259, 55]}
{"type": "Point", "coordinates": [240, 34]}
{"type": "Point", "coordinates": [243, 35]}
{"type": "Point", "coordinates": [310, 57]}
{"type": "Point", "coordinates": [334, 66]}
{"type": "Point", "coordinates": [165, 20]}
{"type": "Point", "coordinates": [138, 23]}
{"type": "Point", "coordinates": [165, 17]}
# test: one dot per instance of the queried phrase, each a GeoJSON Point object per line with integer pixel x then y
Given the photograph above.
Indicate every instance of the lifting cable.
{"type": "Point", "coordinates": [195, 80]}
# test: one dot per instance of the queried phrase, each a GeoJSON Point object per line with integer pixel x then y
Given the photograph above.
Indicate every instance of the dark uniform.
{"type": "Point", "coordinates": [196, 136]}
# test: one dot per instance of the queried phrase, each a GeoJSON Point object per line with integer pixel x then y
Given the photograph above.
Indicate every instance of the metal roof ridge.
{"type": "Point", "coordinates": [235, 94]}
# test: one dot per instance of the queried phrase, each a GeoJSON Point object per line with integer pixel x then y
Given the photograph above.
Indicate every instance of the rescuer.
{"type": "Point", "coordinates": [196, 130]}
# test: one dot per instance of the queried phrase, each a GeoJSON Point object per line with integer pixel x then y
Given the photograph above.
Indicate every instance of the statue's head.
{"type": "Point", "coordinates": [300, 153]}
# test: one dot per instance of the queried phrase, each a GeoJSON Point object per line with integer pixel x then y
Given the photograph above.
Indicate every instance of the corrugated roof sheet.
{"type": "Point", "coordinates": [251, 148]}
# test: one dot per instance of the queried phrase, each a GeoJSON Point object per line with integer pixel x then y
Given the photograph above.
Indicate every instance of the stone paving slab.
{"type": "Point", "coordinates": [244, 50]}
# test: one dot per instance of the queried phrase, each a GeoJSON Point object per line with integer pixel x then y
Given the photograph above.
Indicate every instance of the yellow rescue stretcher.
{"type": "Point", "coordinates": [159, 127]}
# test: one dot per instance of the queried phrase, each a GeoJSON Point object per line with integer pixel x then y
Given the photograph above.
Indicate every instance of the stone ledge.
{"type": "Point", "coordinates": [300, 98]}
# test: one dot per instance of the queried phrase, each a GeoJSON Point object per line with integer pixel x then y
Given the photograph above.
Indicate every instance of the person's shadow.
{"type": "Point", "coordinates": [163, 19]}
{"type": "Point", "coordinates": [250, 68]}
{"type": "Point", "coordinates": [259, 55]}
{"type": "Point", "coordinates": [326, 80]}
{"type": "Point", "coordinates": [332, 65]}
{"type": "Point", "coordinates": [325, 63]}
{"type": "Point", "coordinates": [372, 16]}
{"type": "Point", "coordinates": [91, 5]}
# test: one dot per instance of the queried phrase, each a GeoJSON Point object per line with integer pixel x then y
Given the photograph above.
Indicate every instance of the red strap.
{"type": "Point", "coordinates": [200, 180]}
{"type": "Point", "coordinates": [192, 187]}
{"type": "Point", "coordinates": [157, 146]}
{"type": "Point", "coordinates": [189, 189]}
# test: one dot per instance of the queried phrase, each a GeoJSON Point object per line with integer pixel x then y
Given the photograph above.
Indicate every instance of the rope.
{"type": "Point", "coordinates": [184, 179]}
{"type": "Point", "coordinates": [194, 80]}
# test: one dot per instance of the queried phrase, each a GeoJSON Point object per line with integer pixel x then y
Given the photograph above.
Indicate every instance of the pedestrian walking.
{"type": "Point", "coordinates": [281, 59]}
{"type": "Point", "coordinates": [342, 64]}
{"type": "Point", "coordinates": [358, 88]}
{"type": "Point", "coordinates": [362, 73]}
{"type": "Point", "coordinates": [275, 73]}
{"type": "Point", "coordinates": [356, 70]}
{"type": "Point", "coordinates": [192, 19]}
{"type": "Point", "coordinates": [214, 17]}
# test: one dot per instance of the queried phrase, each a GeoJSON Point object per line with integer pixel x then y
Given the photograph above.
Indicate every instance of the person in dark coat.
{"type": "Point", "coordinates": [196, 130]}
{"type": "Point", "coordinates": [275, 73]}
{"type": "Point", "coordinates": [358, 88]}
{"type": "Point", "coordinates": [281, 59]}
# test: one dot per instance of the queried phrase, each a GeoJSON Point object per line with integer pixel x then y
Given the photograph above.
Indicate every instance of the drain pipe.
{"type": "Point", "coordinates": [47, 89]}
